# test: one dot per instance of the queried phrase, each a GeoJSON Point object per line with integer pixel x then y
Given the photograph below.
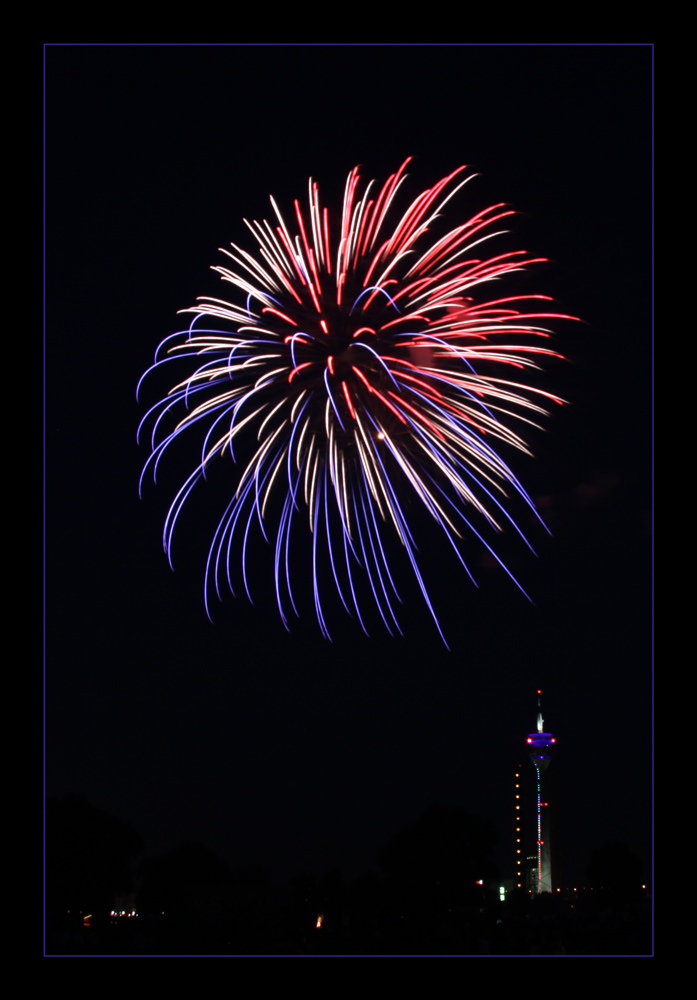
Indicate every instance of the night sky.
{"type": "Point", "coordinates": [284, 749]}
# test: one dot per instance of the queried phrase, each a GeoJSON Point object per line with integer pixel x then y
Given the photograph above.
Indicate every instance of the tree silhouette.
{"type": "Point", "coordinates": [88, 856]}
{"type": "Point", "coordinates": [433, 874]}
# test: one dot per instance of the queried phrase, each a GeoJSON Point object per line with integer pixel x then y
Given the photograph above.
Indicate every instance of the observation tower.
{"type": "Point", "coordinates": [540, 746]}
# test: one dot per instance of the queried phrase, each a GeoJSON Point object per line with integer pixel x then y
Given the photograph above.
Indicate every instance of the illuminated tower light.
{"type": "Point", "coordinates": [518, 849]}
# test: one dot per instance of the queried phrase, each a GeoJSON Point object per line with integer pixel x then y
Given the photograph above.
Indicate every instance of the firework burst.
{"type": "Point", "coordinates": [364, 373]}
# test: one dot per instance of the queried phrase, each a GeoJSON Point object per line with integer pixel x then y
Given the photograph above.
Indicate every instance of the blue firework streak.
{"type": "Point", "coordinates": [363, 371]}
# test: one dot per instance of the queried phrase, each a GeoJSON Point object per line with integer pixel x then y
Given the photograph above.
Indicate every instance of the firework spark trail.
{"type": "Point", "coordinates": [362, 367]}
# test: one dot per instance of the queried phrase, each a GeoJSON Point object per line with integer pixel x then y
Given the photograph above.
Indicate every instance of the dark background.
{"type": "Point", "coordinates": [287, 750]}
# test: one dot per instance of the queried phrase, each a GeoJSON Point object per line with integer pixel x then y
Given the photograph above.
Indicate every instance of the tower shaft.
{"type": "Point", "coordinates": [540, 744]}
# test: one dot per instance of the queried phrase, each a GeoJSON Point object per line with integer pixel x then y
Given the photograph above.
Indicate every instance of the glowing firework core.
{"type": "Point", "coordinates": [356, 378]}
